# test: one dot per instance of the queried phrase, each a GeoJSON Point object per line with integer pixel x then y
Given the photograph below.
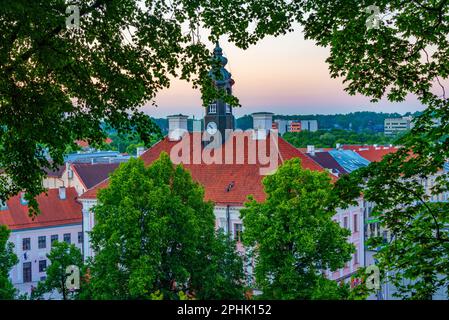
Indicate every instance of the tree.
{"type": "Point", "coordinates": [222, 277]}
{"type": "Point", "coordinates": [61, 256]}
{"type": "Point", "coordinates": [61, 76]}
{"type": "Point", "coordinates": [329, 139]}
{"type": "Point", "coordinates": [7, 260]}
{"type": "Point", "coordinates": [294, 236]}
{"type": "Point", "coordinates": [415, 255]}
{"type": "Point", "coordinates": [154, 235]}
{"type": "Point", "coordinates": [406, 53]}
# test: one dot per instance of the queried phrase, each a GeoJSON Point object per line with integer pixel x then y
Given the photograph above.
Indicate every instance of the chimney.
{"type": "Point", "coordinates": [311, 150]}
{"type": "Point", "coordinates": [177, 126]}
{"type": "Point", "coordinates": [262, 124]}
{"type": "Point", "coordinates": [62, 193]}
{"type": "Point", "coordinates": [140, 151]}
{"type": "Point", "coordinates": [69, 170]}
{"type": "Point", "coordinates": [338, 146]}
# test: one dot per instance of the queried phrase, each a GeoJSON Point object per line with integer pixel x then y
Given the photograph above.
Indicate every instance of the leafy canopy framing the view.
{"type": "Point", "coordinates": [58, 85]}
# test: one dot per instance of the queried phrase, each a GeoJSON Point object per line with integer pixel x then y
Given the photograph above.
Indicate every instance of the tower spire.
{"type": "Point", "coordinates": [219, 116]}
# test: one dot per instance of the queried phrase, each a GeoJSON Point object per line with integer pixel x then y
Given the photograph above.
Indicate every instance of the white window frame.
{"type": "Point", "coordinates": [355, 222]}
{"type": "Point", "coordinates": [213, 107]}
{"type": "Point", "coordinates": [346, 222]}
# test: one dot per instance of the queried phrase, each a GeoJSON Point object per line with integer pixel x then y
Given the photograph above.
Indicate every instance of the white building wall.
{"type": "Point", "coordinates": [228, 219]}
{"type": "Point", "coordinates": [88, 224]}
{"type": "Point", "coordinates": [35, 254]}
{"type": "Point", "coordinates": [69, 178]}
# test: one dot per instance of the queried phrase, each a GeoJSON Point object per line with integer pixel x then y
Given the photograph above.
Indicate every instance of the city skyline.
{"type": "Point", "coordinates": [284, 75]}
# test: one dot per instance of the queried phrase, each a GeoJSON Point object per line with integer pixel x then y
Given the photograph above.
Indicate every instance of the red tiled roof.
{"type": "Point", "coordinates": [353, 147]}
{"type": "Point", "coordinates": [215, 178]}
{"type": "Point", "coordinates": [372, 153]}
{"type": "Point", "coordinates": [85, 144]}
{"type": "Point", "coordinates": [54, 211]}
{"type": "Point", "coordinates": [304, 150]}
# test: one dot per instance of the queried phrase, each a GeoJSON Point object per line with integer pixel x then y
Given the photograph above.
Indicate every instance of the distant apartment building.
{"type": "Point", "coordinates": [280, 125]}
{"type": "Point", "coordinates": [394, 126]}
{"type": "Point", "coordinates": [309, 125]}
{"type": "Point", "coordinates": [295, 125]}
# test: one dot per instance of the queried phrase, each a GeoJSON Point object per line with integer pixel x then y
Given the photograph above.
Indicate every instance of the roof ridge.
{"type": "Point", "coordinates": [93, 187]}
{"type": "Point", "coordinates": [303, 153]}
{"type": "Point", "coordinates": [163, 139]}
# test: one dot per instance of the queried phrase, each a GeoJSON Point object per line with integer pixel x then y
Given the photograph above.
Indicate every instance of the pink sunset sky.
{"type": "Point", "coordinates": [284, 75]}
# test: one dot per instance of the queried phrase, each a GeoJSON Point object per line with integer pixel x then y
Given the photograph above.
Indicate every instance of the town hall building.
{"type": "Point", "coordinates": [230, 165]}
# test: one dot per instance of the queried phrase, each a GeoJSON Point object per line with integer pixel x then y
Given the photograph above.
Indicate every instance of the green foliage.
{"type": "Point", "coordinates": [7, 260]}
{"type": "Point", "coordinates": [415, 255]}
{"type": "Point", "coordinates": [61, 256]}
{"type": "Point", "coordinates": [127, 143]}
{"type": "Point", "coordinates": [222, 276]}
{"type": "Point", "coordinates": [407, 54]}
{"type": "Point", "coordinates": [58, 85]}
{"type": "Point", "coordinates": [328, 139]}
{"type": "Point", "coordinates": [360, 291]}
{"type": "Point", "coordinates": [245, 122]}
{"type": "Point", "coordinates": [155, 235]}
{"type": "Point", "coordinates": [294, 236]}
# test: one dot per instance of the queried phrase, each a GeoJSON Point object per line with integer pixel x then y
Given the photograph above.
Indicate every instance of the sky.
{"type": "Point", "coordinates": [283, 75]}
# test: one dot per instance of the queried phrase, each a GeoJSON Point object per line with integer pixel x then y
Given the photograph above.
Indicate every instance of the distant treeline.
{"type": "Point", "coordinates": [357, 121]}
{"type": "Point", "coordinates": [363, 127]}
{"type": "Point", "coordinates": [329, 138]}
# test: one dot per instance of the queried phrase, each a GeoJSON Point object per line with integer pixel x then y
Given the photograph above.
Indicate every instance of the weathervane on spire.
{"type": "Point", "coordinates": [225, 79]}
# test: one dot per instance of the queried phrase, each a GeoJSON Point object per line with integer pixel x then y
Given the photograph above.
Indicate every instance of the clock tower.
{"type": "Point", "coordinates": [219, 116]}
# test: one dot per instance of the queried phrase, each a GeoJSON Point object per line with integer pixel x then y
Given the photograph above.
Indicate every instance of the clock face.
{"type": "Point", "coordinates": [211, 128]}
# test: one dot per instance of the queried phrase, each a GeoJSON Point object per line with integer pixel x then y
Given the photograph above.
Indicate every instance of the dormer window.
{"type": "Point", "coordinates": [213, 108]}
{"type": "Point", "coordinates": [228, 108]}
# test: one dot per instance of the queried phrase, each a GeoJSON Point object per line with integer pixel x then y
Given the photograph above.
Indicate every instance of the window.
{"type": "Point", "coordinates": [26, 244]}
{"type": "Point", "coordinates": [42, 242]}
{"type": "Point", "coordinates": [355, 222]}
{"type": "Point", "coordinates": [67, 238]}
{"type": "Point", "coordinates": [42, 265]}
{"type": "Point", "coordinates": [238, 228]}
{"type": "Point", "coordinates": [228, 108]}
{"type": "Point", "coordinates": [385, 236]}
{"type": "Point", "coordinates": [54, 238]}
{"type": "Point", "coordinates": [80, 237]}
{"type": "Point", "coordinates": [345, 222]}
{"type": "Point", "coordinates": [356, 257]}
{"type": "Point", "coordinates": [213, 108]}
{"type": "Point", "coordinates": [26, 272]}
